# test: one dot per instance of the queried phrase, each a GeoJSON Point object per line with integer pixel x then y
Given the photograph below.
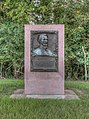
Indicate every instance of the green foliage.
{"type": "Point", "coordinates": [16, 11]}
{"type": "Point", "coordinates": [42, 12]}
{"type": "Point", "coordinates": [3, 15]}
{"type": "Point", "coordinates": [11, 48]}
{"type": "Point", "coordinates": [81, 60]}
{"type": "Point", "coordinates": [74, 14]}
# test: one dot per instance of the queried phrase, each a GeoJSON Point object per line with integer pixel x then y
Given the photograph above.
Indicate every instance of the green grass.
{"type": "Point", "coordinates": [84, 86]}
{"type": "Point", "coordinates": [8, 86]}
{"type": "Point", "coordinates": [42, 109]}
{"type": "Point", "coordinates": [78, 87]}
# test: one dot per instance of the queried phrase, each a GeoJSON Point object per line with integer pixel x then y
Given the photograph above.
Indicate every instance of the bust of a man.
{"type": "Point", "coordinates": [42, 49]}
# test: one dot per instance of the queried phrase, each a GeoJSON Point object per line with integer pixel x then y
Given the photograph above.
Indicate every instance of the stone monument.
{"type": "Point", "coordinates": [44, 60]}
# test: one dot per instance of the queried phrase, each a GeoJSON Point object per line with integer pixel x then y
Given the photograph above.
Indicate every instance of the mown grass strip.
{"type": "Point", "coordinates": [41, 109]}
{"type": "Point", "coordinates": [77, 84]}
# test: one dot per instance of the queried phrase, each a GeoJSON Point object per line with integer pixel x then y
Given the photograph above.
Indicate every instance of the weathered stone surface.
{"type": "Point", "coordinates": [18, 96]}
{"type": "Point", "coordinates": [51, 79]}
{"type": "Point", "coordinates": [69, 95]}
{"type": "Point", "coordinates": [19, 91]}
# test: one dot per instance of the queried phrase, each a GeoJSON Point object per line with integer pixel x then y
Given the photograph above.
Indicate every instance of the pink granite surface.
{"type": "Point", "coordinates": [44, 82]}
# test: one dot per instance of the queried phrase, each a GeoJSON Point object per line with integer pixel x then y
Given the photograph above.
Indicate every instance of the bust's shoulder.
{"type": "Point", "coordinates": [37, 51]}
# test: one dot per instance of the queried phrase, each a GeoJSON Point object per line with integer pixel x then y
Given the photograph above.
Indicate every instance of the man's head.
{"type": "Point", "coordinates": [43, 39]}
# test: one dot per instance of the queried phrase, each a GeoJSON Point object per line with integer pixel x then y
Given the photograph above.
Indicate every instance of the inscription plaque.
{"type": "Point", "coordinates": [44, 51]}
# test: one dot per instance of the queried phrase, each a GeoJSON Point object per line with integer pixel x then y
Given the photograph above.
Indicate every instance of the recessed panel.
{"type": "Point", "coordinates": [44, 51]}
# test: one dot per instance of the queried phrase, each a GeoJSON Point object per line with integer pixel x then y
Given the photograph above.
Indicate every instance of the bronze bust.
{"type": "Point", "coordinates": [42, 49]}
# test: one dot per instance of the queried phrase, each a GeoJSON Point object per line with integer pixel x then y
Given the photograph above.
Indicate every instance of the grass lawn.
{"type": "Point", "coordinates": [43, 109]}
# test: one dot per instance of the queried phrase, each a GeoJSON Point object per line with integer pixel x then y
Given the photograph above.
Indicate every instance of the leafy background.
{"type": "Point", "coordinates": [74, 14]}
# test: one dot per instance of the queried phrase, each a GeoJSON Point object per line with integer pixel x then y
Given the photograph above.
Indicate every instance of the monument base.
{"type": "Point", "coordinates": [69, 94]}
{"type": "Point", "coordinates": [46, 96]}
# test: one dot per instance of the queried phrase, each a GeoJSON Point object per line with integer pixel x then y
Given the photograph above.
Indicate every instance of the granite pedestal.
{"type": "Point", "coordinates": [45, 82]}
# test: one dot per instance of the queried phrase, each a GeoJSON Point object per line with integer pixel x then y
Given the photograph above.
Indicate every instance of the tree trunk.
{"type": "Point", "coordinates": [1, 71]}
{"type": "Point", "coordinates": [15, 72]}
{"type": "Point", "coordinates": [85, 66]}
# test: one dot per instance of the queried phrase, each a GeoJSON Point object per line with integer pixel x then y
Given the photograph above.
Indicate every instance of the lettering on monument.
{"type": "Point", "coordinates": [44, 51]}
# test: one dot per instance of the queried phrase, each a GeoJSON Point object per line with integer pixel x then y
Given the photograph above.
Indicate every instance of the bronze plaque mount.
{"type": "Point", "coordinates": [44, 51]}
